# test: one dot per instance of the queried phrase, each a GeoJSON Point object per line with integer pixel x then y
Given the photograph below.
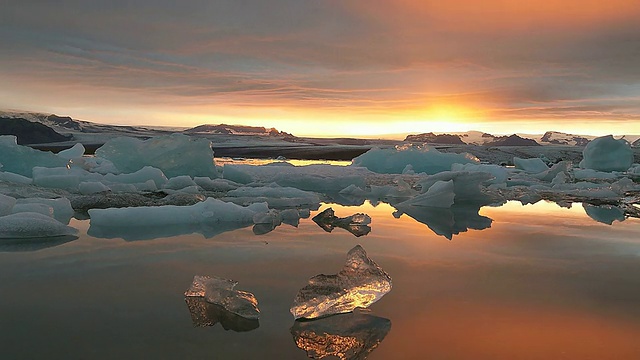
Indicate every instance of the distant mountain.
{"type": "Point", "coordinates": [28, 132]}
{"type": "Point", "coordinates": [559, 138]}
{"type": "Point", "coordinates": [435, 139]}
{"type": "Point", "coordinates": [224, 129]}
{"type": "Point", "coordinates": [512, 140]}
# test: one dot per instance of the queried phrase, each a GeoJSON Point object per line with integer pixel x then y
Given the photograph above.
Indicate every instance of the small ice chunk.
{"type": "Point", "coordinates": [32, 225]}
{"type": "Point", "coordinates": [498, 172]}
{"type": "Point", "coordinates": [141, 176]}
{"type": "Point", "coordinates": [209, 184]}
{"type": "Point", "coordinates": [607, 154]}
{"type": "Point", "coordinates": [531, 166]}
{"type": "Point", "coordinates": [222, 292]}
{"type": "Point", "coordinates": [360, 283]}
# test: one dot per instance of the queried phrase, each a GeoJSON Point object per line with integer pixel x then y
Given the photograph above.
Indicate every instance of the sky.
{"type": "Point", "coordinates": [328, 67]}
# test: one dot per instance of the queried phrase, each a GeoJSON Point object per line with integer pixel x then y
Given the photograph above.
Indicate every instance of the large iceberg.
{"type": "Point", "coordinates": [21, 160]}
{"type": "Point", "coordinates": [422, 159]}
{"type": "Point", "coordinates": [360, 283]}
{"type": "Point", "coordinates": [209, 217]}
{"type": "Point", "coordinates": [175, 155]}
{"type": "Point", "coordinates": [222, 292]}
{"type": "Point", "coordinates": [607, 154]}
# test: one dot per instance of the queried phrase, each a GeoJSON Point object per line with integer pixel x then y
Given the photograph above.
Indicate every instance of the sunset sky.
{"type": "Point", "coordinates": [328, 67]}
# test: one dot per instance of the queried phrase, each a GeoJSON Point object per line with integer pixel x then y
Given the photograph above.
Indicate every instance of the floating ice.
{"type": "Point", "coordinates": [346, 336]}
{"type": "Point", "coordinates": [209, 184]}
{"type": "Point", "coordinates": [423, 159]}
{"type": "Point", "coordinates": [21, 160]}
{"type": "Point", "coordinates": [15, 178]}
{"type": "Point", "coordinates": [275, 196]}
{"type": "Point", "coordinates": [33, 208]}
{"type": "Point", "coordinates": [92, 187]}
{"type": "Point", "coordinates": [584, 174]}
{"type": "Point", "coordinates": [62, 210]}
{"type": "Point", "coordinates": [179, 182]}
{"type": "Point", "coordinates": [32, 225]}
{"type": "Point", "coordinates": [607, 154]}
{"type": "Point", "coordinates": [357, 224]}
{"type": "Point", "coordinates": [222, 292]}
{"type": "Point", "coordinates": [467, 186]}
{"type": "Point", "coordinates": [209, 217]}
{"type": "Point", "coordinates": [360, 283]}
{"type": "Point", "coordinates": [139, 177]}
{"type": "Point", "coordinates": [499, 173]}
{"type": "Point", "coordinates": [532, 166]}
{"type": "Point", "coordinates": [318, 178]}
{"type": "Point", "coordinates": [175, 155]}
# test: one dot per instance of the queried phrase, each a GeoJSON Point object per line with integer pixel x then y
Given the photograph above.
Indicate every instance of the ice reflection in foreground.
{"type": "Point", "coordinates": [350, 336]}
{"type": "Point", "coordinates": [206, 314]}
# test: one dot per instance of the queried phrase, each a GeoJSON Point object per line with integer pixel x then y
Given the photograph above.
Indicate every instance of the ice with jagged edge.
{"type": "Point", "coordinates": [222, 292]}
{"type": "Point", "coordinates": [360, 283]}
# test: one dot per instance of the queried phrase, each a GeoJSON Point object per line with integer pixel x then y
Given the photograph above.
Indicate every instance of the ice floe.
{"type": "Point", "coordinates": [222, 292]}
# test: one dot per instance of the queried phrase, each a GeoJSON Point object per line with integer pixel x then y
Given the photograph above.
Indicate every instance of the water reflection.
{"type": "Point", "coordinates": [605, 214]}
{"type": "Point", "coordinates": [134, 233]}
{"type": "Point", "coordinates": [355, 224]}
{"type": "Point", "coordinates": [447, 221]}
{"type": "Point", "coordinates": [349, 336]}
{"type": "Point", "coordinates": [34, 244]}
{"type": "Point", "coordinates": [205, 314]}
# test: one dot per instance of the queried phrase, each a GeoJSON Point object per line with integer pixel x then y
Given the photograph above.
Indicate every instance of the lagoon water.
{"type": "Point", "coordinates": [543, 282]}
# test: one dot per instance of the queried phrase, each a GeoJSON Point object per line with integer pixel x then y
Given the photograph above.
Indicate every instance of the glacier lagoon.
{"type": "Point", "coordinates": [542, 281]}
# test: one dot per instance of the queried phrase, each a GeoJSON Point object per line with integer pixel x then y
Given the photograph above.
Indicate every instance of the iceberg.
{"type": "Point", "coordinates": [175, 155]}
{"type": "Point", "coordinates": [76, 151]}
{"type": "Point", "coordinates": [607, 154]}
{"type": "Point", "coordinates": [209, 217]}
{"type": "Point", "coordinates": [274, 195]}
{"type": "Point", "coordinates": [21, 160]}
{"type": "Point", "coordinates": [605, 214]}
{"type": "Point", "coordinates": [6, 204]}
{"type": "Point", "coordinates": [360, 283]}
{"type": "Point", "coordinates": [346, 336]}
{"type": "Point", "coordinates": [531, 166]}
{"type": "Point", "coordinates": [422, 159]}
{"type": "Point", "coordinates": [222, 292]}
{"type": "Point", "coordinates": [440, 195]}
{"type": "Point", "coordinates": [29, 225]}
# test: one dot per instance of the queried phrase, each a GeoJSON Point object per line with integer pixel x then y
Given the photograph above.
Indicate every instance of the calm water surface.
{"type": "Point", "coordinates": [542, 283]}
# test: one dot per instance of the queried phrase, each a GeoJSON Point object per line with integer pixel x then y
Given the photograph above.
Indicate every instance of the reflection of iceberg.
{"type": "Point", "coordinates": [357, 224]}
{"type": "Point", "coordinates": [447, 222]}
{"type": "Point", "coordinates": [133, 233]}
{"type": "Point", "coordinates": [34, 244]}
{"type": "Point", "coordinates": [605, 214]}
{"type": "Point", "coordinates": [347, 336]}
{"type": "Point", "coordinates": [207, 314]}
{"type": "Point", "coordinates": [360, 283]}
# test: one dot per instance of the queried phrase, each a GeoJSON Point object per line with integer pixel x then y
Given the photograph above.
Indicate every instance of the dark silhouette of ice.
{"type": "Point", "coordinates": [205, 314]}
{"type": "Point", "coordinates": [357, 224]}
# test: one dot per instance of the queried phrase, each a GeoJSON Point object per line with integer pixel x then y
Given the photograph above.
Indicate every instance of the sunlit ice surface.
{"type": "Point", "coordinates": [542, 282]}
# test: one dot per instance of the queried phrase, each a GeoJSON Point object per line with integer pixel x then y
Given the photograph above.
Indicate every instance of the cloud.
{"type": "Point", "coordinates": [510, 59]}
